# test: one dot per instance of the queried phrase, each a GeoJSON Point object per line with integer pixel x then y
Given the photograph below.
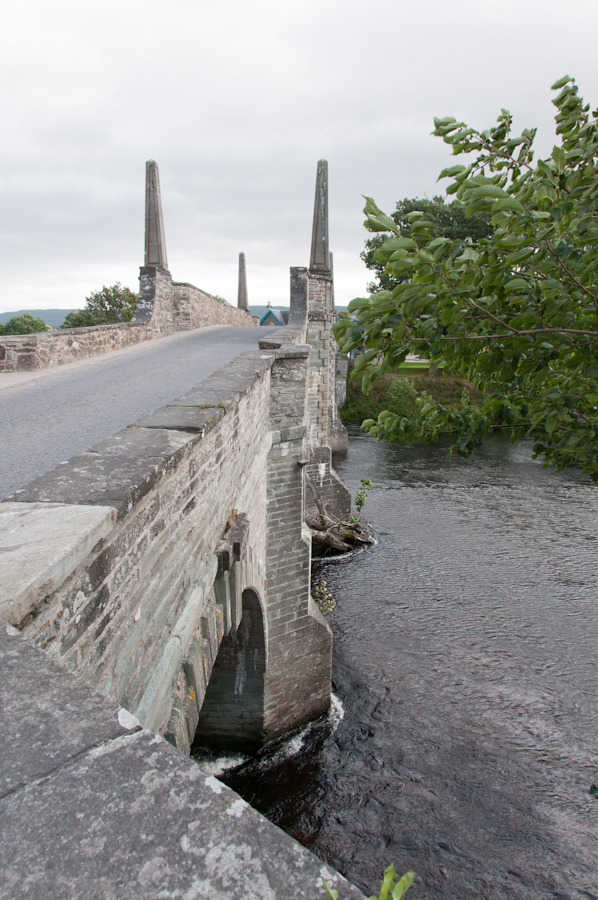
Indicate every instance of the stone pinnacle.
{"type": "Point", "coordinates": [242, 301]}
{"type": "Point", "coordinates": [320, 257]}
{"type": "Point", "coordinates": [155, 243]}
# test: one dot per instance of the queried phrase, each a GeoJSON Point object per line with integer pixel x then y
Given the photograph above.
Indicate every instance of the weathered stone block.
{"type": "Point", "coordinates": [41, 544]}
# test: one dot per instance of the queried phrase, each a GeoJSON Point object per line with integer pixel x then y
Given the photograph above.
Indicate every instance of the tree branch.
{"type": "Point", "coordinates": [581, 286]}
{"type": "Point", "coordinates": [509, 334]}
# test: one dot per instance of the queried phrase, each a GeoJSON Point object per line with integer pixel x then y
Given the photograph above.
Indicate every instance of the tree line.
{"type": "Point", "coordinates": [508, 303]}
{"type": "Point", "coordinates": [107, 306]}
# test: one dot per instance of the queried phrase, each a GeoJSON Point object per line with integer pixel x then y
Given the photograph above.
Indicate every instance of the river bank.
{"type": "Point", "coordinates": [398, 393]}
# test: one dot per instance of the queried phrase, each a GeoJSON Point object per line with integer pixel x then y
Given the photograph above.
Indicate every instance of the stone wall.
{"type": "Point", "coordinates": [135, 608]}
{"type": "Point", "coordinates": [28, 352]}
{"type": "Point", "coordinates": [341, 371]}
{"type": "Point", "coordinates": [313, 313]}
{"type": "Point", "coordinates": [194, 308]}
{"type": "Point", "coordinates": [299, 669]}
{"type": "Point", "coordinates": [136, 558]}
{"type": "Point", "coordinates": [164, 307]}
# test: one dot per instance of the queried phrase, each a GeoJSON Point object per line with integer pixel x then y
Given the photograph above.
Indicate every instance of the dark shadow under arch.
{"type": "Point", "coordinates": [232, 715]}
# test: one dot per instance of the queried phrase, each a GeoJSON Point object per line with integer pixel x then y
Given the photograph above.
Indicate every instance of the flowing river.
{"type": "Point", "coordinates": [463, 741]}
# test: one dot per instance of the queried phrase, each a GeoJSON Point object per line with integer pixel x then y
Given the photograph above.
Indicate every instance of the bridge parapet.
{"type": "Point", "coordinates": [164, 306]}
{"type": "Point", "coordinates": [172, 558]}
{"type": "Point", "coordinates": [180, 525]}
{"type": "Point", "coordinates": [169, 567]}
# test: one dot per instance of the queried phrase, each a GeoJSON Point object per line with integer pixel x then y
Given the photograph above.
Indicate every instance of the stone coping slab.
{"type": "Point", "coordinates": [117, 472]}
{"type": "Point", "coordinates": [40, 545]}
{"type": "Point", "coordinates": [47, 715]}
{"type": "Point", "coordinates": [229, 384]}
{"type": "Point", "coordinates": [101, 811]}
{"type": "Point", "coordinates": [183, 417]}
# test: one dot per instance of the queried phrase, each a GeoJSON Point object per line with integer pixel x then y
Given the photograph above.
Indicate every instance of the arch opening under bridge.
{"type": "Point", "coordinates": [232, 714]}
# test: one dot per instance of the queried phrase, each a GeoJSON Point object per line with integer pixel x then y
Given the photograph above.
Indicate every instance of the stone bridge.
{"type": "Point", "coordinates": [169, 566]}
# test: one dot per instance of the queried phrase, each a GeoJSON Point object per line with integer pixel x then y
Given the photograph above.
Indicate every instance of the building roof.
{"type": "Point", "coordinates": [274, 314]}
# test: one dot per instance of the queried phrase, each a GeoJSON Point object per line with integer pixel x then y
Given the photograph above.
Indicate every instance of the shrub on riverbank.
{"type": "Point", "coordinates": [398, 394]}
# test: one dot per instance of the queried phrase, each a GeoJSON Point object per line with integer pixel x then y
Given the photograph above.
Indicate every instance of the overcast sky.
{"type": "Point", "coordinates": [237, 101]}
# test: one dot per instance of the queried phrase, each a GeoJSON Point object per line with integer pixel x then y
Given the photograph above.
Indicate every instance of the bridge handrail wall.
{"type": "Point", "coordinates": [147, 508]}
{"type": "Point", "coordinates": [119, 567]}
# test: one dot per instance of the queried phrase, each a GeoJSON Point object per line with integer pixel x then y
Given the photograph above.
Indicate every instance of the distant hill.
{"type": "Point", "coordinates": [52, 317]}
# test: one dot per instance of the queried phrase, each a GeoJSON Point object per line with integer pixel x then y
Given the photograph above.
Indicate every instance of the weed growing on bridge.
{"type": "Point", "coordinates": [390, 889]}
{"type": "Point", "coordinates": [361, 496]}
{"type": "Point", "coordinates": [324, 598]}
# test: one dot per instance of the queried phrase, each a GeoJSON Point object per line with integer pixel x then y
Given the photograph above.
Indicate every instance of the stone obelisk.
{"type": "Point", "coordinates": [155, 244]}
{"type": "Point", "coordinates": [320, 256]}
{"type": "Point", "coordinates": [242, 299]}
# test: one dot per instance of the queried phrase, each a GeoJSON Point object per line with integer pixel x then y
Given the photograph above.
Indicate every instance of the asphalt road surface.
{"type": "Point", "coordinates": [51, 416]}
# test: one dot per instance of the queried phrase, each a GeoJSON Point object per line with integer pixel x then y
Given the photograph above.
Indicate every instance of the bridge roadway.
{"type": "Point", "coordinates": [48, 416]}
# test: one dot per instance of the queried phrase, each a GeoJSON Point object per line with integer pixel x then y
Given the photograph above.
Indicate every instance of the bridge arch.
{"type": "Point", "coordinates": [232, 714]}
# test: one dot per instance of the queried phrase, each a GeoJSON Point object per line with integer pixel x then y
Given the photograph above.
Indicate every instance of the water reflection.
{"type": "Point", "coordinates": [465, 657]}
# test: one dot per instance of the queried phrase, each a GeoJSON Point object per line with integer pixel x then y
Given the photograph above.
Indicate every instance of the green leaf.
{"type": "Point", "coordinates": [444, 130]}
{"type": "Point", "coordinates": [551, 423]}
{"type": "Point", "coordinates": [507, 203]}
{"type": "Point", "coordinates": [451, 172]}
{"type": "Point", "coordinates": [401, 243]}
{"type": "Point", "coordinates": [560, 157]}
{"type": "Point", "coordinates": [545, 192]}
{"type": "Point", "coordinates": [400, 889]}
{"type": "Point", "coordinates": [370, 208]}
{"type": "Point", "coordinates": [561, 82]}
{"type": "Point", "coordinates": [358, 303]}
{"type": "Point", "coordinates": [468, 253]}
{"type": "Point", "coordinates": [381, 223]}
{"type": "Point", "coordinates": [516, 284]}
{"type": "Point", "coordinates": [519, 255]}
{"type": "Point", "coordinates": [438, 242]}
{"type": "Point", "coordinates": [485, 190]}
{"type": "Point", "coordinates": [398, 266]}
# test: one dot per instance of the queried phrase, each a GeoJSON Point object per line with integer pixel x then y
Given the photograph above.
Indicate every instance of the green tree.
{"type": "Point", "coordinates": [450, 220]}
{"type": "Point", "coordinates": [515, 313]}
{"type": "Point", "coordinates": [25, 323]}
{"type": "Point", "coordinates": [105, 307]}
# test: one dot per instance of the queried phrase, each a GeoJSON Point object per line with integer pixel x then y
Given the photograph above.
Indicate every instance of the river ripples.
{"type": "Point", "coordinates": [465, 660]}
